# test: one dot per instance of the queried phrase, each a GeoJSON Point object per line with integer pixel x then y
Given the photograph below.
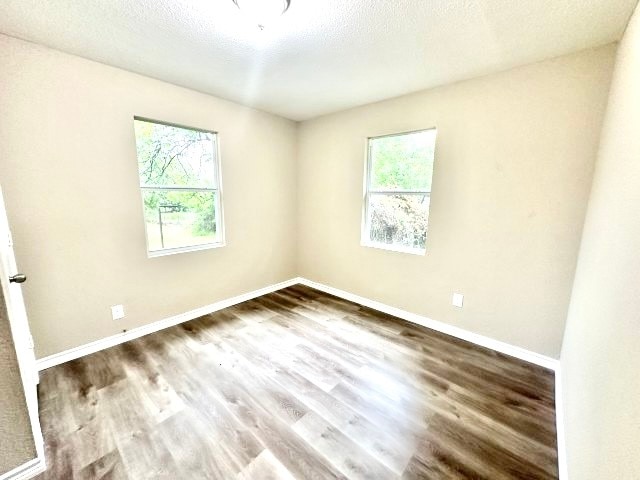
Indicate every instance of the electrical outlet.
{"type": "Point", "coordinates": [457, 300]}
{"type": "Point", "coordinates": [117, 312]}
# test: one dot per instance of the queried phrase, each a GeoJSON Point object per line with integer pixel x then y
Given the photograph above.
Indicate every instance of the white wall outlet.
{"type": "Point", "coordinates": [457, 300]}
{"type": "Point", "coordinates": [117, 312]}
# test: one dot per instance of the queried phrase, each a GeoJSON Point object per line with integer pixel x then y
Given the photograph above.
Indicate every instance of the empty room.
{"type": "Point", "coordinates": [296, 239]}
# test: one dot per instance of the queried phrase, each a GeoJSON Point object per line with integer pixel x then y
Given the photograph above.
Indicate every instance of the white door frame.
{"type": "Point", "coordinates": [24, 348]}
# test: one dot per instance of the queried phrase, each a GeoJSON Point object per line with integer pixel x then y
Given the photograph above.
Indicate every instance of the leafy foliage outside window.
{"type": "Point", "coordinates": [179, 181]}
{"type": "Point", "coordinates": [400, 169]}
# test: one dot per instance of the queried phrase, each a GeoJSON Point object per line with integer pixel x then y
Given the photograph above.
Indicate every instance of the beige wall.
{"type": "Point", "coordinates": [514, 162]}
{"type": "Point", "coordinates": [601, 350]}
{"type": "Point", "coordinates": [69, 173]}
{"type": "Point", "coordinates": [17, 446]}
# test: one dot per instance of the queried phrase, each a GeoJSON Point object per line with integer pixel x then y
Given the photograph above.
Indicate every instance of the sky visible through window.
{"type": "Point", "coordinates": [178, 178]}
{"type": "Point", "coordinates": [399, 189]}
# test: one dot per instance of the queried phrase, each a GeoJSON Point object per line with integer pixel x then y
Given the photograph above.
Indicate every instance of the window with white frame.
{"type": "Point", "coordinates": [398, 190]}
{"type": "Point", "coordinates": [180, 184]}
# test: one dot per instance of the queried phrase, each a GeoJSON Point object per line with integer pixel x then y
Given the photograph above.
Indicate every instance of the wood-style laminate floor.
{"type": "Point", "coordinates": [298, 384]}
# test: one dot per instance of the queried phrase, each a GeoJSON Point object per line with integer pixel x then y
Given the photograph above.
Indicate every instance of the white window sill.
{"type": "Point", "coordinates": [395, 248]}
{"type": "Point", "coordinates": [194, 248]}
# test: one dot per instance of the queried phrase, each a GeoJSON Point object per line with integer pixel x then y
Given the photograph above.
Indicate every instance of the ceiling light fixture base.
{"type": "Point", "coordinates": [262, 12]}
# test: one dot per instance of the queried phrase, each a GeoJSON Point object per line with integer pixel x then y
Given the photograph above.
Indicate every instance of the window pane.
{"type": "Point", "coordinates": [399, 220]}
{"type": "Point", "coordinates": [402, 162]}
{"type": "Point", "coordinates": [175, 218]}
{"type": "Point", "coordinates": [174, 156]}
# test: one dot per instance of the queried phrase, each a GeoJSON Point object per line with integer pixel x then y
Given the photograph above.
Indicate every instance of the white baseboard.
{"type": "Point", "coordinates": [82, 350]}
{"type": "Point", "coordinates": [563, 469]}
{"type": "Point", "coordinates": [498, 346]}
{"type": "Point", "coordinates": [517, 352]}
{"type": "Point", "coordinates": [26, 471]}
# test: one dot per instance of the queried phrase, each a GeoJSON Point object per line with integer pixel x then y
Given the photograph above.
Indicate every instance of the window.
{"type": "Point", "coordinates": [180, 184]}
{"type": "Point", "coordinates": [398, 191]}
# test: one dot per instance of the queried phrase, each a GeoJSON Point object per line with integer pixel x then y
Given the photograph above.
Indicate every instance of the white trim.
{"type": "Point", "coordinates": [23, 345]}
{"type": "Point", "coordinates": [502, 347]}
{"type": "Point", "coordinates": [26, 471]}
{"type": "Point", "coordinates": [517, 352]}
{"type": "Point", "coordinates": [193, 248]}
{"type": "Point", "coordinates": [217, 190]}
{"type": "Point", "coordinates": [365, 224]}
{"type": "Point", "coordinates": [563, 469]}
{"type": "Point", "coordinates": [394, 248]}
{"type": "Point", "coordinates": [89, 348]}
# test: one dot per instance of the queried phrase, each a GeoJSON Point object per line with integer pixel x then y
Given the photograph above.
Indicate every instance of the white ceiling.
{"type": "Point", "coordinates": [322, 55]}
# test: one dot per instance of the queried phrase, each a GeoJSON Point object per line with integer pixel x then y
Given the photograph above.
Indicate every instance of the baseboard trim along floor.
{"type": "Point", "coordinates": [563, 469]}
{"type": "Point", "coordinates": [498, 346]}
{"type": "Point", "coordinates": [26, 471]}
{"type": "Point", "coordinates": [89, 348]}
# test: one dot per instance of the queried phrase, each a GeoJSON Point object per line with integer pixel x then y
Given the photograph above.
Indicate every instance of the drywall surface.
{"type": "Point", "coordinates": [601, 350]}
{"type": "Point", "coordinates": [514, 162]}
{"type": "Point", "coordinates": [321, 56]}
{"type": "Point", "coordinates": [16, 438]}
{"type": "Point", "coordinates": [69, 173]}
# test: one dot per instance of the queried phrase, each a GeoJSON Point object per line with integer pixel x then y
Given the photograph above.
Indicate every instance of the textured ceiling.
{"type": "Point", "coordinates": [322, 55]}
